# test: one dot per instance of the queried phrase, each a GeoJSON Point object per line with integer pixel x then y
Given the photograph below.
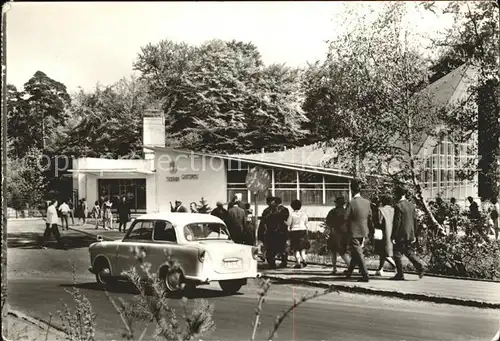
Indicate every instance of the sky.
{"type": "Point", "coordinates": [84, 43]}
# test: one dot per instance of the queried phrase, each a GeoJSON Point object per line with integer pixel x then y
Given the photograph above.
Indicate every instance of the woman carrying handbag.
{"type": "Point", "coordinates": [299, 242]}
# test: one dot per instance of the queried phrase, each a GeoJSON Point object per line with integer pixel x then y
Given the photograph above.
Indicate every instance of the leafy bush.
{"type": "Point", "coordinates": [469, 256]}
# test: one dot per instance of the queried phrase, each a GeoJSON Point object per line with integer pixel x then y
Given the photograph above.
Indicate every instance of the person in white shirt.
{"type": "Point", "coordinates": [51, 224]}
{"type": "Point", "coordinates": [65, 210]}
{"type": "Point", "coordinates": [297, 225]}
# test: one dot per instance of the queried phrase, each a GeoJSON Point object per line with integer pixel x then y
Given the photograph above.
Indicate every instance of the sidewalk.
{"type": "Point", "coordinates": [90, 230]}
{"type": "Point", "coordinates": [434, 289]}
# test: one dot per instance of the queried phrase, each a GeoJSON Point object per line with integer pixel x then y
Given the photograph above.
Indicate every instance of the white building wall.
{"type": "Point", "coordinates": [91, 189]}
{"type": "Point", "coordinates": [187, 177]}
{"type": "Point", "coordinates": [151, 194]}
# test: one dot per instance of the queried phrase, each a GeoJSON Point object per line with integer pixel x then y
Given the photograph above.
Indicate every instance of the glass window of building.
{"type": "Point", "coordinates": [134, 190]}
{"type": "Point", "coordinates": [286, 195]}
{"type": "Point", "coordinates": [285, 176]}
{"type": "Point", "coordinates": [311, 194]}
{"type": "Point", "coordinates": [310, 178]}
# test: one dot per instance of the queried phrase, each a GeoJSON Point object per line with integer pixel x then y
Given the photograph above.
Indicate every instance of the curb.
{"type": "Point", "coordinates": [427, 274]}
{"type": "Point", "coordinates": [38, 322]}
{"type": "Point", "coordinates": [90, 234]}
{"type": "Point", "coordinates": [389, 293]}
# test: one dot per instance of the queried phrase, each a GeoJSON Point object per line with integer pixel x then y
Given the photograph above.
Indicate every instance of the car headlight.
{"type": "Point", "coordinates": [201, 255]}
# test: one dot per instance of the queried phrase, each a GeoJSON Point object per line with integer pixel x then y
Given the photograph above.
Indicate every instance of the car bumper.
{"type": "Point", "coordinates": [223, 277]}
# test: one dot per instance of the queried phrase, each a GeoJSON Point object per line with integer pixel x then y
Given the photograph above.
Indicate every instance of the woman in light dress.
{"type": "Point", "coordinates": [297, 225]}
{"type": "Point", "coordinates": [107, 214]}
{"type": "Point", "coordinates": [383, 242]}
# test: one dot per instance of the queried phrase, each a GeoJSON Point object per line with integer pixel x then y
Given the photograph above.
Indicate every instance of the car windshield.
{"type": "Point", "coordinates": [206, 231]}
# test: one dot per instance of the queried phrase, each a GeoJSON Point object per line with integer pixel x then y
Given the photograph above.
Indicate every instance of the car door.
{"type": "Point", "coordinates": [165, 247]}
{"type": "Point", "coordinates": [138, 238]}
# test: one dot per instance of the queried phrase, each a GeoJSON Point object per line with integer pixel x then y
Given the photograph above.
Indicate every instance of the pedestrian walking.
{"type": "Point", "coordinates": [64, 209]}
{"type": "Point", "coordinates": [359, 225]}
{"type": "Point", "coordinates": [107, 214]}
{"type": "Point", "coordinates": [236, 200]}
{"type": "Point", "coordinates": [474, 214]}
{"type": "Point", "coordinates": [297, 227]}
{"type": "Point", "coordinates": [453, 214]}
{"type": "Point", "coordinates": [382, 235]}
{"type": "Point", "coordinates": [96, 213]}
{"type": "Point", "coordinates": [237, 221]}
{"type": "Point", "coordinates": [220, 212]}
{"type": "Point", "coordinates": [123, 214]}
{"type": "Point", "coordinates": [84, 210]}
{"type": "Point", "coordinates": [493, 216]}
{"type": "Point", "coordinates": [404, 234]}
{"type": "Point", "coordinates": [274, 232]}
{"type": "Point", "coordinates": [71, 211]}
{"type": "Point", "coordinates": [249, 225]}
{"type": "Point", "coordinates": [51, 227]}
{"type": "Point", "coordinates": [338, 239]}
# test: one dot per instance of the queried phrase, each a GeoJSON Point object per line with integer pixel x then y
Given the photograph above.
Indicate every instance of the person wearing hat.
{"type": "Point", "coordinates": [338, 239]}
{"type": "Point", "coordinates": [276, 232]}
{"type": "Point", "coordinates": [178, 207]}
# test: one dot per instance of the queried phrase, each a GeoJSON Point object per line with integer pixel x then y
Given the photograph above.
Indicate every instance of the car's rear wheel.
{"type": "Point", "coordinates": [173, 280]}
{"type": "Point", "coordinates": [231, 286]}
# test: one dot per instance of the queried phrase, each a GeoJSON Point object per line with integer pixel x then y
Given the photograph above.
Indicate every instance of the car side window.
{"type": "Point", "coordinates": [142, 230]}
{"type": "Point", "coordinates": [164, 231]}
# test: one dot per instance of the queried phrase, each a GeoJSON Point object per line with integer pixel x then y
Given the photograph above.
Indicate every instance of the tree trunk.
{"type": "Point", "coordinates": [416, 182]}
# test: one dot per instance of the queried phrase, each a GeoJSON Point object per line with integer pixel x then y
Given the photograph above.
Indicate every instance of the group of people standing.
{"type": "Point", "coordinates": [451, 214]}
{"type": "Point", "coordinates": [393, 229]}
{"type": "Point", "coordinates": [102, 210]}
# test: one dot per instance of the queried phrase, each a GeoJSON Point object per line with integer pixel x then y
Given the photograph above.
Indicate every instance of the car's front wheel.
{"type": "Point", "coordinates": [231, 286]}
{"type": "Point", "coordinates": [103, 274]}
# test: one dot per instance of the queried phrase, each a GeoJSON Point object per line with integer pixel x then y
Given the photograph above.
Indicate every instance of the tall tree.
{"type": "Point", "coordinates": [46, 101]}
{"type": "Point", "coordinates": [370, 95]}
{"type": "Point", "coordinates": [106, 122]}
{"type": "Point", "coordinates": [219, 96]}
{"type": "Point", "coordinates": [474, 38]}
{"type": "Point", "coordinates": [18, 123]}
{"type": "Point", "coordinates": [35, 113]}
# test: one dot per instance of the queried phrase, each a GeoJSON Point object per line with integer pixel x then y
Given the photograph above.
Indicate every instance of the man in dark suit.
{"type": "Point", "coordinates": [404, 234]}
{"type": "Point", "coordinates": [237, 221]}
{"type": "Point", "coordinates": [359, 225]}
{"type": "Point", "coordinates": [220, 212]}
{"type": "Point", "coordinates": [178, 207]}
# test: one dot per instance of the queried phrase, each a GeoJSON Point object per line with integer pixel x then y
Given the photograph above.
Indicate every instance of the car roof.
{"type": "Point", "coordinates": [182, 218]}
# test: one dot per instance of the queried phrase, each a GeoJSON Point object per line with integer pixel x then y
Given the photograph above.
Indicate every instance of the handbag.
{"type": "Point", "coordinates": [378, 235]}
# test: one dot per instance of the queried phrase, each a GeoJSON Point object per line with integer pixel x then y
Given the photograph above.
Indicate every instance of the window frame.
{"type": "Point", "coordinates": [134, 224]}
{"type": "Point", "coordinates": [229, 237]}
{"type": "Point", "coordinates": [165, 241]}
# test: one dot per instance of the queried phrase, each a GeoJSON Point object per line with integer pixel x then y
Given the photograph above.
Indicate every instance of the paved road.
{"type": "Point", "coordinates": [37, 279]}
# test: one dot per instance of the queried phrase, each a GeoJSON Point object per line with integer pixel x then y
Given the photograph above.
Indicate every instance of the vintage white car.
{"type": "Point", "coordinates": [199, 244]}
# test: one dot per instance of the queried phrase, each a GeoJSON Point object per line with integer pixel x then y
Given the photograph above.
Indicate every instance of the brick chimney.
{"type": "Point", "coordinates": [153, 131]}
